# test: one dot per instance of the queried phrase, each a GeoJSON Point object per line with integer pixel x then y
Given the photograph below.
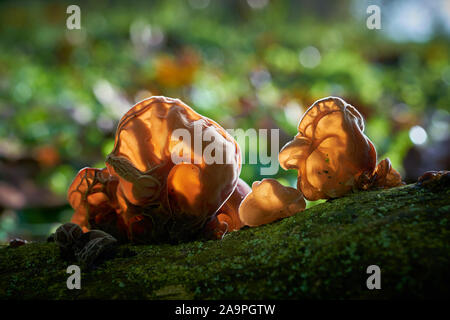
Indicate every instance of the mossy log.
{"type": "Point", "coordinates": [322, 252]}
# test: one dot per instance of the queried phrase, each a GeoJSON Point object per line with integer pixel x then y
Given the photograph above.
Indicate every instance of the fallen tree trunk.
{"type": "Point", "coordinates": [322, 252]}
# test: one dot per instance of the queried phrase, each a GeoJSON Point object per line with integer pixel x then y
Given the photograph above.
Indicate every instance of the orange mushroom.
{"type": "Point", "coordinates": [270, 201]}
{"type": "Point", "coordinates": [385, 176]}
{"type": "Point", "coordinates": [93, 196]}
{"type": "Point", "coordinates": [229, 212]}
{"type": "Point", "coordinates": [166, 188]}
{"type": "Point", "coordinates": [332, 154]}
{"type": "Point", "coordinates": [227, 218]}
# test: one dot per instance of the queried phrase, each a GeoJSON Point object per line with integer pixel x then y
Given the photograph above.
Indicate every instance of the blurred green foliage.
{"type": "Point", "coordinates": [63, 91]}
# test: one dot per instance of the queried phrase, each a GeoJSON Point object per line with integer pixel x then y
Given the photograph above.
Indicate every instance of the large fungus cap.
{"type": "Point", "coordinates": [269, 201]}
{"type": "Point", "coordinates": [142, 158]}
{"type": "Point", "coordinates": [330, 150]}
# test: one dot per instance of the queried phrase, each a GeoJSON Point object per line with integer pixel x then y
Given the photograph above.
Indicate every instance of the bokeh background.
{"type": "Point", "coordinates": [245, 64]}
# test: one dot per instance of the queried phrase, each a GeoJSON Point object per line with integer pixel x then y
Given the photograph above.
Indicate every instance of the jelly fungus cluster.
{"type": "Point", "coordinates": [332, 156]}
{"type": "Point", "coordinates": [144, 196]}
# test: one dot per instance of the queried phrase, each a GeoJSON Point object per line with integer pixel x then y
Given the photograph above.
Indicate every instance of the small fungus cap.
{"type": "Point", "coordinates": [270, 201]}
{"type": "Point", "coordinates": [229, 212]}
{"type": "Point", "coordinates": [93, 196]}
{"type": "Point", "coordinates": [385, 176]}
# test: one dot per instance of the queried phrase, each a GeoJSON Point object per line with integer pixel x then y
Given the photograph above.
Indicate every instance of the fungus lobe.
{"type": "Point", "coordinates": [229, 212]}
{"type": "Point", "coordinates": [156, 187]}
{"type": "Point", "coordinates": [270, 201]}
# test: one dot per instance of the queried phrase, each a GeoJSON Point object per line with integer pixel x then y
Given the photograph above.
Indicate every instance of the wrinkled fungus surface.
{"type": "Point", "coordinates": [156, 187]}
{"type": "Point", "coordinates": [332, 154]}
{"type": "Point", "coordinates": [270, 201]}
{"type": "Point", "coordinates": [229, 212]}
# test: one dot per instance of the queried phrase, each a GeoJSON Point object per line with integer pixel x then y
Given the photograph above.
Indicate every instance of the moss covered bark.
{"type": "Point", "coordinates": [322, 252]}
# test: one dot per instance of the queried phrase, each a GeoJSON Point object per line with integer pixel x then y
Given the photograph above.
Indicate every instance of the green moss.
{"type": "Point", "coordinates": [322, 252]}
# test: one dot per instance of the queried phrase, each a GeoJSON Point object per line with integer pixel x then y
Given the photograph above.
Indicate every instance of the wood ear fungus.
{"type": "Point", "coordinates": [270, 201]}
{"type": "Point", "coordinates": [332, 154]}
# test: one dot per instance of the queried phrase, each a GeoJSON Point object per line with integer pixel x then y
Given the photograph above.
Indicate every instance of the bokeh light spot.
{"type": "Point", "coordinates": [257, 4]}
{"type": "Point", "coordinates": [418, 135]}
{"type": "Point", "coordinates": [310, 57]}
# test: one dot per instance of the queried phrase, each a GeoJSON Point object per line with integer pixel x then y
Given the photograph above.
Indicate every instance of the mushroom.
{"type": "Point", "coordinates": [434, 179]}
{"type": "Point", "coordinates": [227, 218]}
{"type": "Point", "coordinates": [332, 154]}
{"type": "Point", "coordinates": [161, 187]}
{"type": "Point", "coordinates": [89, 248]}
{"type": "Point", "coordinates": [93, 196]}
{"type": "Point", "coordinates": [269, 201]}
{"type": "Point", "coordinates": [385, 176]}
{"type": "Point", "coordinates": [229, 212]}
{"type": "Point", "coordinates": [67, 234]}
{"type": "Point", "coordinates": [94, 247]}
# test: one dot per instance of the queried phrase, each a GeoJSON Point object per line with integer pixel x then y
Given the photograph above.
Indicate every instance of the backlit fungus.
{"type": "Point", "coordinates": [227, 218]}
{"type": "Point", "coordinates": [270, 201]}
{"type": "Point", "coordinates": [332, 155]}
{"type": "Point", "coordinates": [229, 212]}
{"type": "Point", "coordinates": [93, 196]}
{"type": "Point", "coordinates": [174, 175]}
{"type": "Point", "coordinates": [169, 173]}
